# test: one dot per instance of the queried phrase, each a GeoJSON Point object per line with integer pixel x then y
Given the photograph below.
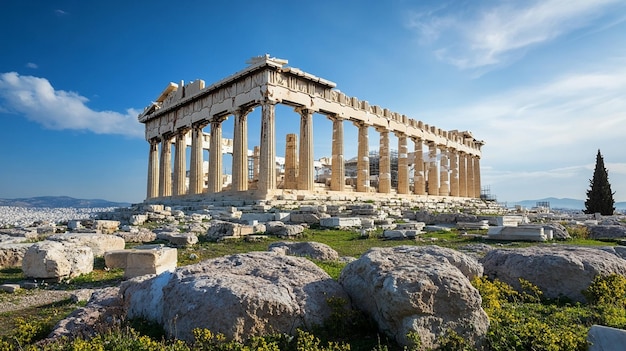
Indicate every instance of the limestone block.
{"type": "Point", "coordinates": [11, 254]}
{"type": "Point", "coordinates": [99, 243]}
{"type": "Point", "coordinates": [411, 226]}
{"type": "Point", "coordinates": [138, 219]}
{"type": "Point", "coordinates": [142, 260]}
{"type": "Point", "coordinates": [367, 223]}
{"type": "Point", "coordinates": [179, 239]}
{"type": "Point", "coordinates": [260, 217]}
{"type": "Point", "coordinates": [508, 221]}
{"type": "Point", "coordinates": [153, 208]}
{"type": "Point", "coordinates": [522, 233]}
{"type": "Point", "coordinates": [51, 259]}
{"type": "Point", "coordinates": [481, 225]}
{"type": "Point", "coordinates": [399, 234]}
{"type": "Point", "coordinates": [308, 218]}
{"type": "Point", "coordinates": [106, 226]}
{"type": "Point", "coordinates": [151, 261]}
{"type": "Point", "coordinates": [340, 222]}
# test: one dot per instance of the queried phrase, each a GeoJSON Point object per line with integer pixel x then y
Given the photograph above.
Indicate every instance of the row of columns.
{"type": "Point", "coordinates": [458, 173]}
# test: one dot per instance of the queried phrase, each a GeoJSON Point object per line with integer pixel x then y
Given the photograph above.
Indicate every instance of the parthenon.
{"type": "Point", "coordinates": [442, 163]}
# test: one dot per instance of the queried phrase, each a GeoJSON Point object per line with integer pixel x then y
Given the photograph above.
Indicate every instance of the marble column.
{"type": "Point", "coordinates": [256, 155]}
{"type": "Point", "coordinates": [337, 180]}
{"type": "Point", "coordinates": [433, 174]}
{"type": "Point", "coordinates": [153, 169]}
{"type": "Point", "coordinates": [363, 160]}
{"type": "Point", "coordinates": [444, 183]}
{"type": "Point", "coordinates": [215, 157]}
{"type": "Point", "coordinates": [180, 164]}
{"type": "Point", "coordinates": [462, 174]}
{"type": "Point", "coordinates": [384, 163]}
{"type": "Point", "coordinates": [267, 156]}
{"type": "Point", "coordinates": [291, 162]}
{"type": "Point", "coordinates": [403, 164]}
{"type": "Point", "coordinates": [471, 187]}
{"type": "Point", "coordinates": [240, 150]}
{"type": "Point", "coordinates": [165, 174]}
{"type": "Point", "coordinates": [477, 189]}
{"type": "Point", "coordinates": [196, 173]}
{"type": "Point", "coordinates": [419, 181]}
{"type": "Point", "coordinates": [306, 169]}
{"type": "Point", "coordinates": [454, 172]}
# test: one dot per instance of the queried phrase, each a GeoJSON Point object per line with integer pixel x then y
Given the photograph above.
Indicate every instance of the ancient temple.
{"type": "Point", "coordinates": [442, 163]}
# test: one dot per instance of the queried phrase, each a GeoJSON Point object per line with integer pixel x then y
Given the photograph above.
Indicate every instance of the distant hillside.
{"type": "Point", "coordinates": [573, 204]}
{"type": "Point", "coordinates": [60, 201]}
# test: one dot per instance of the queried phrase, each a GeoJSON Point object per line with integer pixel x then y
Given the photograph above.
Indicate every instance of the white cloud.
{"type": "Point", "coordinates": [543, 138]}
{"type": "Point", "coordinates": [492, 36]}
{"type": "Point", "coordinates": [37, 100]}
{"type": "Point", "coordinates": [32, 65]}
{"type": "Point", "coordinates": [60, 12]}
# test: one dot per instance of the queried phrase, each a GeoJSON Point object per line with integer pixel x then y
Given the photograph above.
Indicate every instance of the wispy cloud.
{"type": "Point", "coordinates": [36, 99]}
{"type": "Point", "coordinates": [495, 35]}
{"type": "Point", "coordinates": [544, 136]}
{"type": "Point", "coordinates": [60, 12]}
{"type": "Point", "coordinates": [32, 65]}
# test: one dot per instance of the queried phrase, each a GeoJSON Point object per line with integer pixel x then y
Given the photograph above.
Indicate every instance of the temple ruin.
{"type": "Point", "coordinates": [442, 163]}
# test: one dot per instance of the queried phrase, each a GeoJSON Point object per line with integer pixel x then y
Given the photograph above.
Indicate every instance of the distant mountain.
{"type": "Point", "coordinates": [573, 204]}
{"type": "Point", "coordinates": [60, 201]}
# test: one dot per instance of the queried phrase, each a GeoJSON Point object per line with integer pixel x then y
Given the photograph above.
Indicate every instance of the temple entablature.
{"type": "Point", "coordinates": [184, 110]}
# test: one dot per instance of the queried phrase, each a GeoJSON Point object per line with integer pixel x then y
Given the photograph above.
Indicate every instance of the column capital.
{"type": "Point", "coordinates": [399, 134]}
{"type": "Point", "coordinates": [243, 110]}
{"type": "Point", "coordinates": [302, 110]}
{"type": "Point", "coordinates": [381, 129]}
{"type": "Point", "coordinates": [335, 117]}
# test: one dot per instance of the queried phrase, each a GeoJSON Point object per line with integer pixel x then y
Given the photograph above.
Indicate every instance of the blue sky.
{"type": "Point", "coordinates": [543, 83]}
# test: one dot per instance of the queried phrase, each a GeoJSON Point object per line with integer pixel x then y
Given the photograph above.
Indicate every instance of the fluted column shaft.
{"type": "Point", "coordinates": [462, 174]}
{"type": "Point", "coordinates": [180, 164]}
{"type": "Point", "coordinates": [196, 173]}
{"type": "Point", "coordinates": [444, 183]}
{"type": "Point", "coordinates": [215, 158]}
{"type": "Point", "coordinates": [363, 161]}
{"type": "Point", "coordinates": [306, 170]}
{"type": "Point", "coordinates": [337, 181]}
{"type": "Point", "coordinates": [267, 156]}
{"type": "Point", "coordinates": [153, 169]}
{"type": "Point", "coordinates": [291, 162]}
{"type": "Point", "coordinates": [454, 172]}
{"type": "Point", "coordinates": [433, 174]}
{"type": "Point", "coordinates": [419, 180]}
{"type": "Point", "coordinates": [384, 163]}
{"type": "Point", "coordinates": [471, 187]}
{"type": "Point", "coordinates": [165, 174]}
{"type": "Point", "coordinates": [240, 150]}
{"type": "Point", "coordinates": [403, 165]}
{"type": "Point", "coordinates": [477, 189]}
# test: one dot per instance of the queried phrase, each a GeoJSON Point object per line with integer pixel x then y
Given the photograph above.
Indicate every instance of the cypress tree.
{"type": "Point", "coordinates": [599, 196]}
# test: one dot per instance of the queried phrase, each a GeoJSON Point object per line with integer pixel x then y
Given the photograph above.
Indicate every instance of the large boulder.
{"type": "Point", "coordinates": [317, 251]}
{"type": "Point", "coordinates": [56, 260]}
{"type": "Point", "coordinates": [424, 290]}
{"type": "Point", "coordinates": [99, 243]}
{"type": "Point", "coordinates": [240, 296]}
{"type": "Point", "coordinates": [559, 271]}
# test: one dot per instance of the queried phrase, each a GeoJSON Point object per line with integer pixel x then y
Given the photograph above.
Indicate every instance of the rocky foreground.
{"type": "Point", "coordinates": [405, 289]}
